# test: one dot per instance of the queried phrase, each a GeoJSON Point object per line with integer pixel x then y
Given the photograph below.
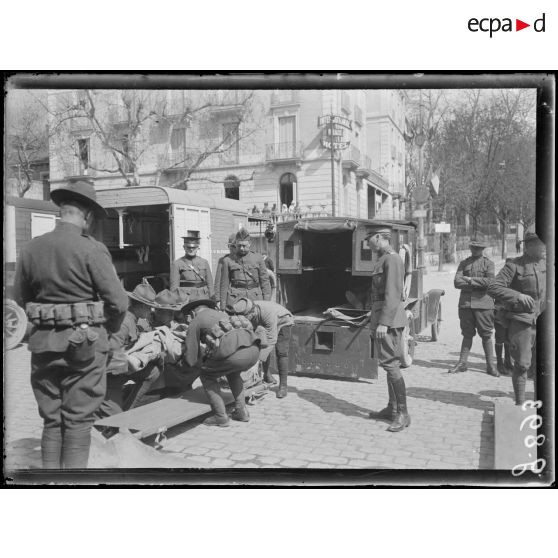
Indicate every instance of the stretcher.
{"type": "Point", "coordinates": [156, 418]}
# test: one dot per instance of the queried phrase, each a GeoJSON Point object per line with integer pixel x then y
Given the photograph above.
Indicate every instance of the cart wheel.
{"type": "Point", "coordinates": [408, 341]}
{"type": "Point", "coordinates": [15, 324]}
{"type": "Point", "coordinates": [436, 324]}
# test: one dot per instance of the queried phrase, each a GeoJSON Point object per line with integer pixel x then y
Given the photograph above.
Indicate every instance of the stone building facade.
{"type": "Point", "coordinates": [275, 159]}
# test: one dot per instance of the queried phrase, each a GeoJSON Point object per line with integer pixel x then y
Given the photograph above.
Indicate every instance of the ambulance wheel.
{"type": "Point", "coordinates": [15, 324]}
{"type": "Point", "coordinates": [408, 341]}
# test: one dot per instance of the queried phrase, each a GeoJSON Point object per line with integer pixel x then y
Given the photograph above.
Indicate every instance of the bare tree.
{"type": "Point", "coordinates": [132, 126]}
{"type": "Point", "coordinates": [473, 143]}
{"type": "Point", "coordinates": [27, 139]}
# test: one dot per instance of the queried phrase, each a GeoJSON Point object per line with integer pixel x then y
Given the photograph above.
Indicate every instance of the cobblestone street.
{"type": "Point", "coordinates": [323, 423]}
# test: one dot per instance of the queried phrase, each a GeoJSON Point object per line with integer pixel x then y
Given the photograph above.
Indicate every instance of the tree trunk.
{"type": "Point", "coordinates": [504, 238]}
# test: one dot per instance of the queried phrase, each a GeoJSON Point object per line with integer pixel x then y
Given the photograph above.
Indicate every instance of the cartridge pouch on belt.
{"type": "Point", "coordinates": [65, 315]}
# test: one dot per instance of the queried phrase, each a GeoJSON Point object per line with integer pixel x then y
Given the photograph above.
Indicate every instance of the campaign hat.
{"type": "Point", "coordinates": [82, 192]}
{"type": "Point", "coordinates": [167, 300]}
{"type": "Point", "coordinates": [477, 242]}
{"type": "Point", "coordinates": [143, 293]}
{"type": "Point", "coordinates": [531, 235]}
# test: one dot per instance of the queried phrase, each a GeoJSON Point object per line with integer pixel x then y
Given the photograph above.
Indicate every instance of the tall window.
{"type": "Point", "coordinates": [287, 185]}
{"type": "Point", "coordinates": [287, 136]}
{"type": "Point", "coordinates": [232, 188]}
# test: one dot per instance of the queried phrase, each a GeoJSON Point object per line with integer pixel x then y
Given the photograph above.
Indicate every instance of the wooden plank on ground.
{"type": "Point", "coordinates": [166, 413]}
{"type": "Point", "coordinates": [509, 438]}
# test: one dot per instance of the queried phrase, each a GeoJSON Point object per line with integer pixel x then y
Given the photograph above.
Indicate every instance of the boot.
{"type": "Point", "coordinates": [236, 384]}
{"type": "Point", "coordinates": [213, 393]}
{"type": "Point", "coordinates": [489, 356]}
{"type": "Point", "coordinates": [75, 449]}
{"type": "Point", "coordinates": [461, 365]}
{"type": "Point", "coordinates": [498, 347]}
{"type": "Point", "coordinates": [267, 375]}
{"type": "Point", "coordinates": [216, 421]}
{"type": "Point", "coordinates": [508, 362]}
{"type": "Point", "coordinates": [390, 411]}
{"type": "Point", "coordinates": [402, 418]}
{"type": "Point", "coordinates": [519, 380]}
{"type": "Point", "coordinates": [282, 391]}
{"type": "Point", "coordinates": [51, 448]}
{"type": "Point", "coordinates": [268, 378]}
{"type": "Point", "coordinates": [241, 414]}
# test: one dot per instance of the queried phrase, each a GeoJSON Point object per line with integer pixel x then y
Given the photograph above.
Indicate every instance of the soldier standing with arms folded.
{"type": "Point", "coordinates": [73, 297]}
{"type": "Point", "coordinates": [476, 306]}
{"type": "Point", "coordinates": [521, 288]}
{"type": "Point", "coordinates": [387, 321]}
{"type": "Point", "coordinates": [192, 272]}
{"type": "Point", "coordinates": [244, 274]}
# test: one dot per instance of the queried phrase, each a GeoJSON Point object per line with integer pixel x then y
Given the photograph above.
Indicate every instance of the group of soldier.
{"type": "Point", "coordinates": [509, 303]}
{"type": "Point", "coordinates": [98, 349]}
{"type": "Point", "coordinates": [85, 324]}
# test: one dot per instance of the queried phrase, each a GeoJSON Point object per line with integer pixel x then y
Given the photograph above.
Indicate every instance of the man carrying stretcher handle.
{"type": "Point", "coordinates": [216, 346]}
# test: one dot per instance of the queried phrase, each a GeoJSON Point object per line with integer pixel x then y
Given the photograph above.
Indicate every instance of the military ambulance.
{"type": "Point", "coordinates": [319, 261]}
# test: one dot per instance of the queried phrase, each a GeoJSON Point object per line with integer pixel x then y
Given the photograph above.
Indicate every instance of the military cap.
{"type": "Point", "coordinates": [166, 300]}
{"type": "Point", "coordinates": [242, 306]}
{"type": "Point", "coordinates": [384, 231]}
{"type": "Point", "coordinates": [192, 239]}
{"type": "Point", "coordinates": [242, 236]}
{"type": "Point", "coordinates": [477, 242]}
{"type": "Point", "coordinates": [531, 234]}
{"type": "Point", "coordinates": [82, 192]}
{"type": "Point", "coordinates": [200, 302]}
{"type": "Point", "coordinates": [143, 293]}
{"type": "Point", "coordinates": [232, 238]}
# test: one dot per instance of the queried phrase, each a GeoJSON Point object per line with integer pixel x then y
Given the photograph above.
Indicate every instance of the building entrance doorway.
{"type": "Point", "coordinates": [287, 185]}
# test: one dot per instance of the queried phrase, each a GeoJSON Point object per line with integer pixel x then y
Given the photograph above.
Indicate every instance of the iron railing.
{"type": "Point", "coordinates": [283, 151]}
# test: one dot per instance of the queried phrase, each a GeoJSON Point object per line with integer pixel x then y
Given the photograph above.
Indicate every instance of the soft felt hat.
{"type": "Point", "coordinates": [143, 293]}
{"type": "Point", "coordinates": [82, 192]}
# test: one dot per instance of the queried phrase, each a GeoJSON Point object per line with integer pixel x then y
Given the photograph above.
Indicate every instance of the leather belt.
{"type": "Point", "coordinates": [244, 285]}
{"type": "Point", "coordinates": [193, 284]}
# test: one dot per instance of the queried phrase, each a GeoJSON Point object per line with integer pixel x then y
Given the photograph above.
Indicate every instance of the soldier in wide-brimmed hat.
{"type": "Point", "coordinates": [74, 297]}
{"type": "Point", "coordinates": [521, 288]}
{"type": "Point", "coordinates": [137, 320]}
{"type": "Point", "coordinates": [476, 307]}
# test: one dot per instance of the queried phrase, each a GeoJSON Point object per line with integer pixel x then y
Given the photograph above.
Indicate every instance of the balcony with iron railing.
{"type": "Point", "coordinates": [287, 151]}
{"type": "Point", "coordinates": [285, 97]}
{"type": "Point", "coordinates": [258, 225]}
